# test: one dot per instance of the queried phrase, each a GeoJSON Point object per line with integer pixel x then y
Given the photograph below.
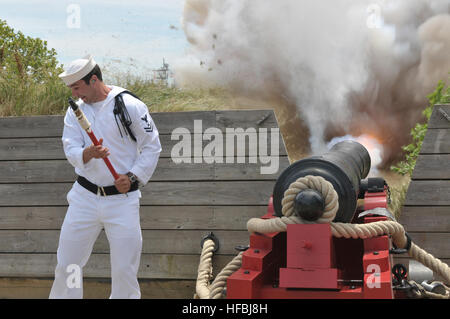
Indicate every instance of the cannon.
{"type": "Point", "coordinates": [345, 166]}
{"type": "Point", "coordinates": [318, 240]}
{"type": "Point", "coordinates": [311, 260]}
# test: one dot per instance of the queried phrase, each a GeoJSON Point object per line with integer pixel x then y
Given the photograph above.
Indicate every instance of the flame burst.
{"type": "Point", "coordinates": [371, 143]}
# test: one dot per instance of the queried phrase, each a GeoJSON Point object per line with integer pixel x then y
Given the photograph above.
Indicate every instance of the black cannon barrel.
{"type": "Point", "coordinates": [344, 166]}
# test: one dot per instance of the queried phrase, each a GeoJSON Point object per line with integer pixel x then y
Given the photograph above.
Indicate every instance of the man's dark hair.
{"type": "Point", "coordinates": [96, 70]}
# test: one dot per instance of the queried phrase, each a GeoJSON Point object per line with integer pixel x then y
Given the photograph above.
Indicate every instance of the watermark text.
{"type": "Point", "coordinates": [236, 145]}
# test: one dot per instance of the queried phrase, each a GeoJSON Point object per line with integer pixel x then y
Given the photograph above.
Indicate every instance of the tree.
{"type": "Point", "coordinates": [28, 75]}
{"type": "Point", "coordinates": [26, 56]}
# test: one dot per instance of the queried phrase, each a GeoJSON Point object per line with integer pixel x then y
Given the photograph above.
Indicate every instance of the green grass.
{"type": "Point", "coordinates": [398, 196]}
{"type": "Point", "coordinates": [19, 97]}
{"type": "Point", "coordinates": [160, 98]}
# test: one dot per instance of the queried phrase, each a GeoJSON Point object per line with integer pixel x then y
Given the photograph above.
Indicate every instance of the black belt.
{"type": "Point", "coordinates": [103, 191]}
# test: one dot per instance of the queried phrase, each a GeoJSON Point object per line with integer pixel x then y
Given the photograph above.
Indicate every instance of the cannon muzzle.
{"type": "Point", "coordinates": [344, 166]}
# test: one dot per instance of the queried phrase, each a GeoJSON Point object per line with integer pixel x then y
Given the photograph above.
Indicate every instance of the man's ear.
{"type": "Point", "coordinates": [93, 78]}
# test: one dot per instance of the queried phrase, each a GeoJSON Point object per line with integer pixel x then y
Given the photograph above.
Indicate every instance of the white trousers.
{"type": "Point", "coordinates": [87, 215]}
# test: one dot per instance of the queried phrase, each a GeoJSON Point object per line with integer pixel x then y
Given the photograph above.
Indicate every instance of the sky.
{"type": "Point", "coordinates": [122, 35]}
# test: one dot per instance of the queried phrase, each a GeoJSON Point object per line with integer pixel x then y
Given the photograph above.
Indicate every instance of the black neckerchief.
{"type": "Point", "coordinates": [120, 111]}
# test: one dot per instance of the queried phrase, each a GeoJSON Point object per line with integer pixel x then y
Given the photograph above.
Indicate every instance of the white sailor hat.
{"type": "Point", "coordinates": [78, 69]}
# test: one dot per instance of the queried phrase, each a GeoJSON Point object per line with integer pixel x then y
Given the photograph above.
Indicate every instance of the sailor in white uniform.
{"type": "Point", "coordinates": [96, 200]}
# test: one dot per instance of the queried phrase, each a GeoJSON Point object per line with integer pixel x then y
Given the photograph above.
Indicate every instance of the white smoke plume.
{"type": "Point", "coordinates": [343, 66]}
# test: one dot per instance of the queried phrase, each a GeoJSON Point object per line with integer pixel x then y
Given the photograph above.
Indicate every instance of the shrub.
{"type": "Point", "coordinates": [440, 95]}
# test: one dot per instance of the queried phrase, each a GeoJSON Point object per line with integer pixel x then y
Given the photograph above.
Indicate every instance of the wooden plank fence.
{"type": "Point", "coordinates": [180, 204]}
{"type": "Point", "coordinates": [426, 212]}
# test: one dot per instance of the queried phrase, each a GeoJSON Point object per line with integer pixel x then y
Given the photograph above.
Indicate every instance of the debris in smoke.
{"type": "Point", "coordinates": [357, 67]}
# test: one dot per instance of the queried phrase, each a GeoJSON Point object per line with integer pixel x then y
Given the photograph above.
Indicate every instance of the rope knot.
{"type": "Point", "coordinates": [319, 184]}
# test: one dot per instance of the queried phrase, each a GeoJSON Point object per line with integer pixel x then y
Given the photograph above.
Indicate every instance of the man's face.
{"type": "Point", "coordinates": [83, 91]}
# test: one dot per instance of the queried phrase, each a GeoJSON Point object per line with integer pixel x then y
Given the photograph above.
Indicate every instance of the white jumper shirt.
{"type": "Point", "coordinates": [140, 157]}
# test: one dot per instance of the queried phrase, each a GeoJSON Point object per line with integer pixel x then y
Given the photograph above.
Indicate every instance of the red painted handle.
{"type": "Point", "coordinates": [107, 162]}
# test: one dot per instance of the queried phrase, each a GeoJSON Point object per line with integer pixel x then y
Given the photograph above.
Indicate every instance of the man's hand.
{"type": "Point", "coordinates": [95, 151]}
{"type": "Point", "coordinates": [123, 183]}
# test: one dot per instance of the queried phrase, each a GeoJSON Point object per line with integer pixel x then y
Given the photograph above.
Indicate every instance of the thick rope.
{"type": "Point", "coordinates": [420, 292]}
{"type": "Point", "coordinates": [431, 262]}
{"type": "Point", "coordinates": [279, 224]}
{"type": "Point", "coordinates": [397, 232]}
{"type": "Point", "coordinates": [220, 282]}
{"type": "Point", "coordinates": [370, 230]}
{"type": "Point", "coordinates": [319, 184]}
{"type": "Point", "coordinates": [203, 288]}
{"type": "Point", "coordinates": [205, 270]}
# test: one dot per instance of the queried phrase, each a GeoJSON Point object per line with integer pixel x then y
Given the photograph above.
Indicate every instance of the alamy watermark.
{"type": "Point", "coordinates": [236, 145]}
{"type": "Point", "coordinates": [374, 19]}
{"type": "Point", "coordinates": [74, 279]}
{"type": "Point", "coordinates": [73, 20]}
{"type": "Point", "coordinates": [374, 279]}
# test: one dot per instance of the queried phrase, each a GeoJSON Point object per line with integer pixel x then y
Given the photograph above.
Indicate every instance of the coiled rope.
{"type": "Point", "coordinates": [339, 230]}
{"type": "Point", "coordinates": [204, 289]}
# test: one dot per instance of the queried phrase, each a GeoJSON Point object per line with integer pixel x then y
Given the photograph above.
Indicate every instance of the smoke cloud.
{"type": "Point", "coordinates": [330, 67]}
